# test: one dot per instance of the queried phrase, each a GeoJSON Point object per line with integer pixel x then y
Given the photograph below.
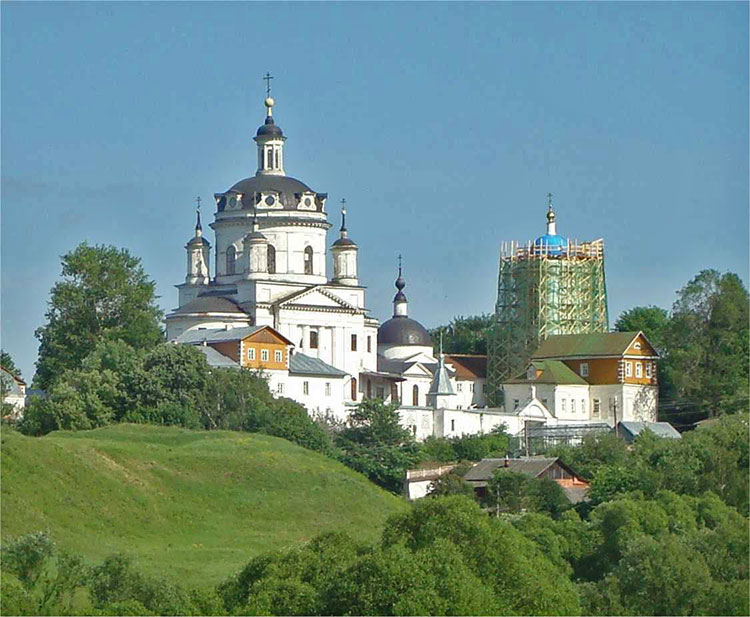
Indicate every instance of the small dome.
{"type": "Point", "coordinates": [550, 244]}
{"type": "Point", "coordinates": [269, 128]}
{"type": "Point", "coordinates": [255, 235]}
{"type": "Point", "coordinates": [403, 331]}
{"type": "Point", "coordinates": [198, 241]}
{"type": "Point", "coordinates": [344, 242]}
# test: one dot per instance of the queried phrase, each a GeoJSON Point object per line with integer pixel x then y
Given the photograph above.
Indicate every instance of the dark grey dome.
{"type": "Point", "coordinates": [198, 241]}
{"type": "Point", "coordinates": [403, 331]}
{"type": "Point", "coordinates": [345, 242]}
{"type": "Point", "coordinates": [269, 128]}
{"type": "Point", "coordinates": [289, 189]}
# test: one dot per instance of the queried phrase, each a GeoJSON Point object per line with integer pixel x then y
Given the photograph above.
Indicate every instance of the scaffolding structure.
{"type": "Point", "coordinates": [542, 291]}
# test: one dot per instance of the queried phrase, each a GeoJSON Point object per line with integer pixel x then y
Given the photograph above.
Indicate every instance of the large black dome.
{"type": "Point", "coordinates": [288, 188]}
{"type": "Point", "coordinates": [403, 331]}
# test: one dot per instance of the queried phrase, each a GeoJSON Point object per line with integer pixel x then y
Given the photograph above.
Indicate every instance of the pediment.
{"type": "Point", "coordinates": [314, 297]}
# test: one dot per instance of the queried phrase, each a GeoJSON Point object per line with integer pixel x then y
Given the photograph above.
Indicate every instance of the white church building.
{"type": "Point", "coordinates": [272, 306]}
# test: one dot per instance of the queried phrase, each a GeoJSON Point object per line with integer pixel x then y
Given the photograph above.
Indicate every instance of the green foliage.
{"type": "Point", "coordinates": [375, 444]}
{"type": "Point", "coordinates": [104, 294]}
{"type": "Point", "coordinates": [468, 335]}
{"type": "Point", "coordinates": [594, 451]}
{"type": "Point", "coordinates": [7, 363]}
{"type": "Point", "coordinates": [452, 483]}
{"type": "Point", "coordinates": [509, 491]}
{"type": "Point", "coordinates": [40, 580]}
{"type": "Point", "coordinates": [465, 447]}
{"type": "Point", "coordinates": [653, 321]}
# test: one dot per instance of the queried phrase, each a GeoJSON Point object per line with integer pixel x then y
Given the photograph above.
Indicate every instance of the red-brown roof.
{"type": "Point", "coordinates": [468, 366]}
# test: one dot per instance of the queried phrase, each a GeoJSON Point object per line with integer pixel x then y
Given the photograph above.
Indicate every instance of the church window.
{"type": "Point", "coordinates": [280, 388]}
{"type": "Point", "coordinates": [264, 355]}
{"type": "Point", "coordinates": [277, 356]}
{"type": "Point", "coordinates": [453, 426]}
{"type": "Point", "coordinates": [638, 369]}
{"type": "Point", "coordinates": [231, 259]}
{"type": "Point", "coordinates": [572, 405]}
{"type": "Point", "coordinates": [354, 342]}
{"type": "Point", "coordinates": [313, 339]}
{"type": "Point", "coordinates": [308, 260]}
{"type": "Point", "coordinates": [251, 353]}
{"type": "Point", "coordinates": [354, 388]}
{"type": "Point", "coordinates": [415, 395]}
{"type": "Point", "coordinates": [459, 387]}
{"type": "Point", "coordinates": [583, 405]}
{"type": "Point", "coordinates": [305, 388]}
{"type": "Point", "coordinates": [369, 389]}
{"type": "Point", "coordinates": [597, 407]}
{"type": "Point", "coordinates": [277, 159]}
{"type": "Point", "coordinates": [271, 259]}
{"type": "Point", "coordinates": [369, 344]}
{"type": "Point", "coordinates": [328, 388]}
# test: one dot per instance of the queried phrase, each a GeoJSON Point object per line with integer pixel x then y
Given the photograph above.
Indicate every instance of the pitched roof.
{"type": "Point", "coordinates": [660, 429]}
{"type": "Point", "coordinates": [485, 469]}
{"type": "Point", "coordinates": [209, 304]}
{"type": "Point", "coordinates": [11, 383]}
{"type": "Point", "coordinates": [216, 335]}
{"type": "Point", "coordinates": [552, 372]}
{"type": "Point", "coordinates": [468, 366]}
{"type": "Point", "coordinates": [441, 384]}
{"type": "Point", "coordinates": [300, 364]}
{"type": "Point", "coordinates": [215, 358]}
{"type": "Point", "coordinates": [585, 345]}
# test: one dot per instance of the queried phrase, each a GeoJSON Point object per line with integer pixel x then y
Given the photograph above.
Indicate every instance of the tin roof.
{"type": "Point", "coordinates": [300, 364]}
{"type": "Point", "coordinates": [552, 372]}
{"type": "Point", "coordinates": [468, 366]}
{"type": "Point", "coordinates": [209, 304]}
{"type": "Point", "coordinates": [586, 345]}
{"type": "Point", "coordinates": [661, 429]}
{"type": "Point", "coordinates": [216, 335]}
{"type": "Point", "coordinates": [485, 469]}
{"type": "Point", "coordinates": [215, 358]}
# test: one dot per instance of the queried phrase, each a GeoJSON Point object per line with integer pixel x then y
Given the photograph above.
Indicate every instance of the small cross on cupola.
{"type": "Point", "coordinates": [270, 138]}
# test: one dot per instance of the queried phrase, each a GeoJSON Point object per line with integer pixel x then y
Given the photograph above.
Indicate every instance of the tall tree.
{"type": "Point", "coordinates": [104, 295]}
{"type": "Point", "coordinates": [465, 334]}
{"type": "Point", "coordinates": [7, 363]}
{"type": "Point", "coordinates": [652, 320]}
{"type": "Point", "coordinates": [708, 347]}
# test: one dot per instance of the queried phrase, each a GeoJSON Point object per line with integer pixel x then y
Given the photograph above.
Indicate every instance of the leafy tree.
{"type": "Point", "coordinates": [593, 452]}
{"type": "Point", "coordinates": [104, 294]}
{"type": "Point", "coordinates": [506, 491]}
{"type": "Point", "coordinates": [467, 335]}
{"type": "Point", "coordinates": [7, 363]}
{"type": "Point", "coordinates": [376, 444]}
{"type": "Point", "coordinates": [452, 483]}
{"type": "Point", "coordinates": [708, 348]}
{"type": "Point", "coordinates": [653, 321]}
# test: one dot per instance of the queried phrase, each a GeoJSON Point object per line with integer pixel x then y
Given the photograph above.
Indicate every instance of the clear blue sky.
{"type": "Point", "coordinates": [443, 125]}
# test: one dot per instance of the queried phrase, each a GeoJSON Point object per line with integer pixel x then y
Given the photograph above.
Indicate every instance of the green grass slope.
{"type": "Point", "coordinates": [193, 506]}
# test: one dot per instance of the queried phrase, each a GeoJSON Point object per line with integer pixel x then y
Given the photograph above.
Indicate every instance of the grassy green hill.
{"type": "Point", "coordinates": [190, 505]}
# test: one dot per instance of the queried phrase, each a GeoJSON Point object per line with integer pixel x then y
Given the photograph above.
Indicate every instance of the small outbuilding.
{"type": "Point", "coordinates": [628, 430]}
{"type": "Point", "coordinates": [574, 486]}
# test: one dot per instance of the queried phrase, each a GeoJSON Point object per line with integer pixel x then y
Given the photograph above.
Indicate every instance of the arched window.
{"type": "Point", "coordinates": [394, 393]}
{"type": "Point", "coordinates": [415, 395]}
{"type": "Point", "coordinates": [308, 260]}
{"type": "Point", "coordinates": [231, 259]}
{"type": "Point", "coordinates": [271, 259]}
{"type": "Point", "coordinates": [354, 388]}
